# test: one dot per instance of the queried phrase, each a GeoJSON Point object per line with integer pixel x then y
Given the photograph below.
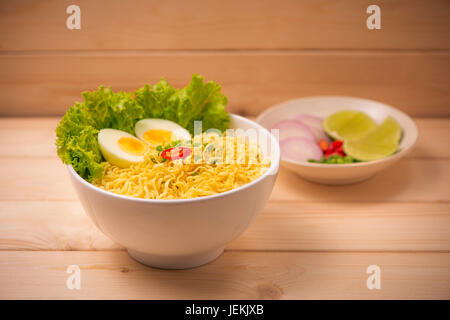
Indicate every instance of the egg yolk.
{"type": "Point", "coordinates": [157, 136]}
{"type": "Point", "coordinates": [131, 145]}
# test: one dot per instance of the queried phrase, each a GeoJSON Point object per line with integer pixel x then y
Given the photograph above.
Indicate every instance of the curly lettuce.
{"type": "Point", "coordinates": [197, 101]}
{"type": "Point", "coordinates": [76, 133]}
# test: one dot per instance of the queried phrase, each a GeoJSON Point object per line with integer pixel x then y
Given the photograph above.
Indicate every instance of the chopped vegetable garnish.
{"type": "Point", "coordinates": [176, 153]}
{"type": "Point", "coordinates": [335, 159]}
{"type": "Point", "coordinates": [323, 144]}
{"type": "Point", "coordinates": [336, 144]}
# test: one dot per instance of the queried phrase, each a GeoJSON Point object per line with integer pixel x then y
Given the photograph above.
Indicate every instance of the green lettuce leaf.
{"type": "Point", "coordinates": [76, 142]}
{"type": "Point", "coordinates": [155, 100]}
{"type": "Point", "coordinates": [197, 101]}
{"type": "Point", "coordinates": [76, 134]}
{"type": "Point", "coordinates": [112, 110]}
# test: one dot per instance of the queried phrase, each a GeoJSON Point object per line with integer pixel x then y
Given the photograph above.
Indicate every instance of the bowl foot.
{"type": "Point", "coordinates": [176, 262]}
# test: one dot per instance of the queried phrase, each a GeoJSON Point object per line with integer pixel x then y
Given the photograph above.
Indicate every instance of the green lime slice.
{"type": "Point", "coordinates": [377, 144]}
{"type": "Point", "coordinates": [348, 125]}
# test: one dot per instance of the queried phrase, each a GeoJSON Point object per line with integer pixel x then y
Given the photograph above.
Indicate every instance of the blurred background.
{"type": "Point", "coordinates": [262, 52]}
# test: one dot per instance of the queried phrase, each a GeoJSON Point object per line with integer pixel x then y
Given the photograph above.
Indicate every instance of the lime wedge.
{"type": "Point", "coordinates": [348, 125]}
{"type": "Point", "coordinates": [377, 144]}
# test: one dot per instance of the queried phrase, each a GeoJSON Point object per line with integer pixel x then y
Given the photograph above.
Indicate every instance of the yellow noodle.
{"type": "Point", "coordinates": [180, 180]}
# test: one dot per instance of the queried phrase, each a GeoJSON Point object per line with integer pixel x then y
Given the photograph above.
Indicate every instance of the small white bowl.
{"type": "Point", "coordinates": [178, 234]}
{"type": "Point", "coordinates": [322, 106]}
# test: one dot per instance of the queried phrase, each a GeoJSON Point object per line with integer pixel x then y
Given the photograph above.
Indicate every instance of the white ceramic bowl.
{"type": "Point", "coordinates": [178, 234]}
{"type": "Point", "coordinates": [335, 174]}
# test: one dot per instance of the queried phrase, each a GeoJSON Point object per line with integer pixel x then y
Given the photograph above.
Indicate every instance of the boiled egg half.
{"type": "Point", "coordinates": [160, 131]}
{"type": "Point", "coordinates": [121, 148]}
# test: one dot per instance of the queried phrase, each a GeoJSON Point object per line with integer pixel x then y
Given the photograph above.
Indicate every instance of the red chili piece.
{"type": "Point", "coordinates": [336, 144]}
{"type": "Point", "coordinates": [176, 153]}
{"type": "Point", "coordinates": [335, 149]}
{"type": "Point", "coordinates": [323, 144]}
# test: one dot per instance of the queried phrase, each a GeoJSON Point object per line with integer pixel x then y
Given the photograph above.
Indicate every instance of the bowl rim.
{"type": "Point", "coordinates": [392, 157]}
{"type": "Point", "coordinates": [273, 169]}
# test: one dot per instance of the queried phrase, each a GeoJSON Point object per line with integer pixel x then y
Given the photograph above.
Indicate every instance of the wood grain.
{"type": "Point", "coordinates": [310, 242]}
{"type": "Point", "coordinates": [235, 275]}
{"type": "Point", "coordinates": [35, 137]}
{"type": "Point", "coordinates": [411, 180]}
{"type": "Point", "coordinates": [28, 159]}
{"type": "Point", "coordinates": [282, 226]}
{"type": "Point", "coordinates": [28, 137]}
{"type": "Point", "coordinates": [49, 225]}
{"type": "Point", "coordinates": [47, 84]}
{"type": "Point", "coordinates": [203, 24]}
{"type": "Point", "coordinates": [21, 176]}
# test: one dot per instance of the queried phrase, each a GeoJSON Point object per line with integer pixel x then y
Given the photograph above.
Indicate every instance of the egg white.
{"type": "Point", "coordinates": [178, 132]}
{"type": "Point", "coordinates": [109, 146]}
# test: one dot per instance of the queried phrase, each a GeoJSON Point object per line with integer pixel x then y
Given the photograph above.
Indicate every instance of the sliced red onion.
{"type": "Point", "coordinates": [300, 149]}
{"type": "Point", "coordinates": [315, 125]}
{"type": "Point", "coordinates": [292, 128]}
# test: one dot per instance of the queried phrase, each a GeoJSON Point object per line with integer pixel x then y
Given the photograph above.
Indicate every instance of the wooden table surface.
{"type": "Point", "coordinates": [311, 241]}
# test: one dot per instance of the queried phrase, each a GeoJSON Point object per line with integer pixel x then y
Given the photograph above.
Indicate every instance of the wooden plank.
{"type": "Point", "coordinates": [47, 84]}
{"type": "Point", "coordinates": [410, 180]}
{"type": "Point", "coordinates": [235, 275]}
{"type": "Point", "coordinates": [28, 179]}
{"type": "Point", "coordinates": [35, 137]}
{"type": "Point", "coordinates": [28, 137]}
{"type": "Point", "coordinates": [290, 225]}
{"type": "Point", "coordinates": [200, 24]}
{"type": "Point", "coordinates": [49, 225]}
{"type": "Point", "coordinates": [434, 134]}
{"type": "Point", "coordinates": [33, 179]}
{"type": "Point", "coordinates": [331, 226]}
